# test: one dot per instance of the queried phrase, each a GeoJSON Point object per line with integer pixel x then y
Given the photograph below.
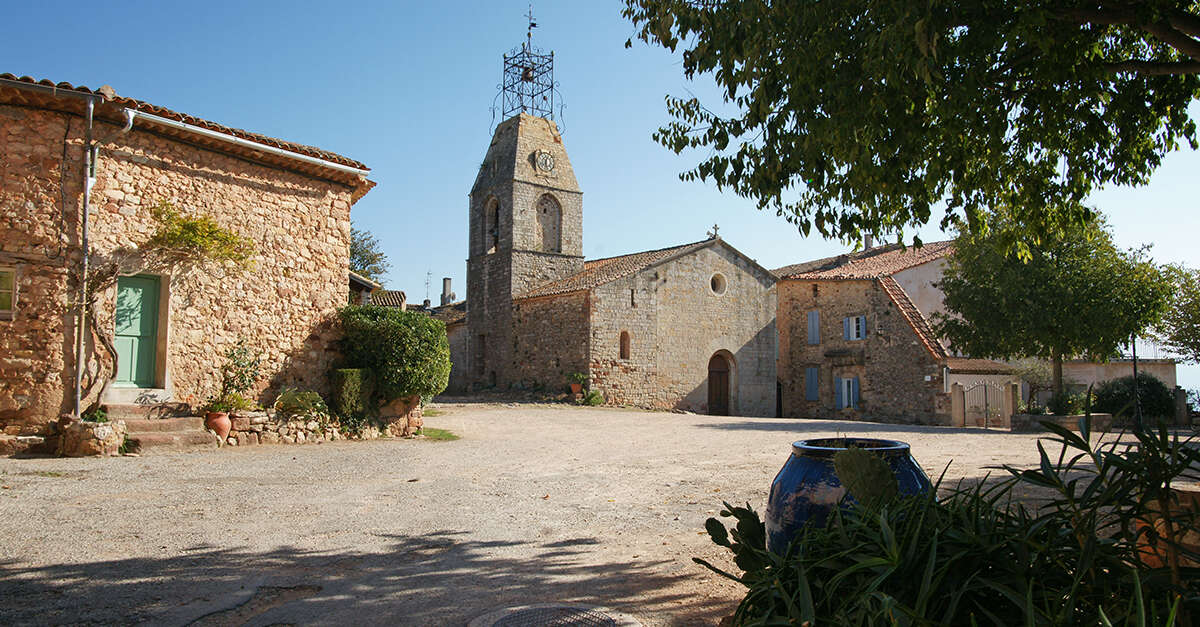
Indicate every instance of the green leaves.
{"type": "Point", "coordinates": [858, 117]}
{"type": "Point", "coordinates": [867, 477]}
{"type": "Point", "coordinates": [407, 352]}
{"type": "Point", "coordinates": [973, 557]}
{"type": "Point", "coordinates": [366, 256]}
{"type": "Point", "coordinates": [1076, 294]}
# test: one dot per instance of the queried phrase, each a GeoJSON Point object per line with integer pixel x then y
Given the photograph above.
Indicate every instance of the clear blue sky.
{"type": "Point", "coordinates": [407, 87]}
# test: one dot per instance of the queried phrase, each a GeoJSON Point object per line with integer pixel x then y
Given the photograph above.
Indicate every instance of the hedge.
{"type": "Point", "coordinates": [407, 352]}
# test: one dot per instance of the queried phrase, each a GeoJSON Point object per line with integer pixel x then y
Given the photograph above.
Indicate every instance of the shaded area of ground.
{"type": "Point", "coordinates": [536, 503]}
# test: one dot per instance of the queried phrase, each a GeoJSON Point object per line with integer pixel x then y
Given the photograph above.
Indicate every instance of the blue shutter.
{"type": "Point", "coordinates": [845, 328]}
{"type": "Point", "coordinates": [862, 320]}
{"type": "Point", "coordinates": [839, 402]}
{"type": "Point", "coordinates": [854, 392]}
{"type": "Point", "coordinates": [814, 327]}
{"type": "Point", "coordinates": [810, 384]}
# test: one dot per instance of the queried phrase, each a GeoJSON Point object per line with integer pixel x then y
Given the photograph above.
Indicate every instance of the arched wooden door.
{"type": "Point", "coordinates": [718, 385]}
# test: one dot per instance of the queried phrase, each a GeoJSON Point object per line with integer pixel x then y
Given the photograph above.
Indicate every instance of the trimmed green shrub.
{"type": "Point", "coordinates": [1116, 397]}
{"type": "Point", "coordinates": [1067, 404]}
{"type": "Point", "coordinates": [593, 398]}
{"type": "Point", "coordinates": [352, 392]}
{"type": "Point", "coordinates": [407, 352]}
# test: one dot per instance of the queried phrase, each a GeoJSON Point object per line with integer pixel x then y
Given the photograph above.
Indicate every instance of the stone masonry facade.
{"type": "Point", "coordinates": [900, 381]}
{"type": "Point", "coordinates": [284, 306]}
{"type": "Point", "coordinates": [676, 322]}
{"type": "Point", "coordinates": [512, 244]}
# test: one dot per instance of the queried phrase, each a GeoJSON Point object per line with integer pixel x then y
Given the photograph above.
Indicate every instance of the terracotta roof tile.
{"type": "Point", "coordinates": [600, 271]}
{"type": "Point", "coordinates": [388, 298]}
{"type": "Point", "coordinates": [146, 107]}
{"type": "Point", "coordinates": [452, 313]}
{"type": "Point", "coordinates": [964, 365]}
{"type": "Point", "coordinates": [872, 263]}
{"type": "Point", "coordinates": [914, 317]}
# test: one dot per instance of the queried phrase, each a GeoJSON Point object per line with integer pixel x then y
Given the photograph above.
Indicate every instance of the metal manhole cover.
{"type": "Point", "coordinates": [555, 615]}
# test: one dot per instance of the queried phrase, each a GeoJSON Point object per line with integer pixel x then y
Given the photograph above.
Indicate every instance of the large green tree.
{"type": "Point", "coordinates": [1179, 329]}
{"type": "Point", "coordinates": [1077, 295]}
{"type": "Point", "coordinates": [366, 256]}
{"type": "Point", "coordinates": [861, 117]}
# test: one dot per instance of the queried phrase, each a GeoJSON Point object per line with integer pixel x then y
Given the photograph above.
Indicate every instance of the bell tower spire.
{"type": "Point", "coordinates": [528, 82]}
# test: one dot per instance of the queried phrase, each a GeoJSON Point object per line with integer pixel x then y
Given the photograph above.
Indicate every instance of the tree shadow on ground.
{"type": "Point", "coordinates": [841, 426]}
{"type": "Point", "coordinates": [435, 579]}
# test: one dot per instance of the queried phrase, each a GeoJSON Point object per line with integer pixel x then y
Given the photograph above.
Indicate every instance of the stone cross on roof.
{"type": "Point", "coordinates": [713, 233]}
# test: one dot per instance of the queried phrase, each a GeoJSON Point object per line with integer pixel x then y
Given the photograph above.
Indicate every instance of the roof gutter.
{"type": "Point", "coordinates": [53, 90]}
{"type": "Point", "coordinates": [244, 143]}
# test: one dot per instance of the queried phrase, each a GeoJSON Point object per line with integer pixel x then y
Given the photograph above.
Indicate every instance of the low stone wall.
{"type": "Point", "coordinates": [400, 419]}
{"type": "Point", "coordinates": [1101, 423]}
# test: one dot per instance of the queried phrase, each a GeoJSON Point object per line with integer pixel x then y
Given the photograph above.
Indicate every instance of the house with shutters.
{"type": "Point", "coordinates": [855, 340]}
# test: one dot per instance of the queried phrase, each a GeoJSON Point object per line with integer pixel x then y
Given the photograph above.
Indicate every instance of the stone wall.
{"type": "Point", "coordinates": [39, 194]}
{"type": "Point", "coordinates": [460, 361]}
{"type": "Point", "coordinates": [900, 380]}
{"type": "Point", "coordinates": [518, 260]}
{"type": "Point", "coordinates": [284, 306]}
{"type": "Point", "coordinates": [550, 341]}
{"type": "Point", "coordinates": [679, 323]}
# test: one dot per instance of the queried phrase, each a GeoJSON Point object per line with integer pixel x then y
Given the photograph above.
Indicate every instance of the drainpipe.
{"type": "Point", "coordinates": [90, 154]}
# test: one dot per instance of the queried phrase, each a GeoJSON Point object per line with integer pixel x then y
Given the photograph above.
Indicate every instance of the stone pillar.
{"type": "Point", "coordinates": [1012, 393]}
{"type": "Point", "coordinates": [1183, 417]}
{"type": "Point", "coordinates": [958, 406]}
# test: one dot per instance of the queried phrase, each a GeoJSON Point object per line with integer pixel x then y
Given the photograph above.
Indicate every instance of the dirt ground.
{"type": "Point", "coordinates": [535, 504]}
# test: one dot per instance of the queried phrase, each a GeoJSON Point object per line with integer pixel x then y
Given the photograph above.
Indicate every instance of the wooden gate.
{"type": "Point", "coordinates": [718, 386]}
{"type": "Point", "coordinates": [985, 404]}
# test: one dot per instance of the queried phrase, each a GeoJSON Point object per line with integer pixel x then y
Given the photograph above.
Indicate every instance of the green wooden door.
{"type": "Point", "coordinates": [136, 331]}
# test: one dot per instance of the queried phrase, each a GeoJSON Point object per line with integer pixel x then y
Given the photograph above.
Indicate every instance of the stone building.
{"type": "Point", "coordinates": [292, 201]}
{"type": "Point", "coordinates": [687, 327]}
{"type": "Point", "coordinates": [853, 342]}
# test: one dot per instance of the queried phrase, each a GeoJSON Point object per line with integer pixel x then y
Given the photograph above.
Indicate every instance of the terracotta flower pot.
{"type": "Point", "coordinates": [576, 388]}
{"type": "Point", "coordinates": [1154, 554]}
{"type": "Point", "coordinates": [218, 421]}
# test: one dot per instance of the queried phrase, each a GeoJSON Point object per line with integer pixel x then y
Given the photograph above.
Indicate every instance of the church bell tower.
{"type": "Point", "coordinates": [526, 213]}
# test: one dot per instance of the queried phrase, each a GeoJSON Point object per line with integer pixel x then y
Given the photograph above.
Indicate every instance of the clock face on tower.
{"type": "Point", "coordinates": [544, 161]}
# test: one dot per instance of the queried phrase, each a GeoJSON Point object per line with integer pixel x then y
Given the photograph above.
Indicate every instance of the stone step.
{"type": "Point", "coordinates": [145, 425]}
{"type": "Point", "coordinates": [130, 411]}
{"type": "Point", "coordinates": [149, 441]}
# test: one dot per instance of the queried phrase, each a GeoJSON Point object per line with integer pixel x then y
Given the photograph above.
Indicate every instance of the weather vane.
{"type": "Point", "coordinates": [528, 84]}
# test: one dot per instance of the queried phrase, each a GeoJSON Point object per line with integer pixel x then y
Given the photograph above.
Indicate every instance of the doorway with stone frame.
{"type": "Point", "coordinates": [720, 370]}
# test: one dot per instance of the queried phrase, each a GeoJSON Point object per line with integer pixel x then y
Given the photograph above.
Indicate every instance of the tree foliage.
{"type": "Point", "coordinates": [407, 352]}
{"type": "Point", "coordinates": [1179, 330]}
{"type": "Point", "coordinates": [1078, 295]}
{"type": "Point", "coordinates": [860, 117]}
{"type": "Point", "coordinates": [366, 256]}
{"type": "Point", "coordinates": [1116, 397]}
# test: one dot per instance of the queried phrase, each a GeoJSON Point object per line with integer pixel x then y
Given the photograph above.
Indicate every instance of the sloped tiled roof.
{"type": "Point", "coordinates": [146, 107]}
{"type": "Point", "coordinates": [452, 313]}
{"type": "Point", "coordinates": [963, 365]}
{"type": "Point", "coordinates": [388, 298]}
{"type": "Point", "coordinates": [872, 263]}
{"type": "Point", "coordinates": [915, 318]}
{"type": "Point", "coordinates": [600, 271]}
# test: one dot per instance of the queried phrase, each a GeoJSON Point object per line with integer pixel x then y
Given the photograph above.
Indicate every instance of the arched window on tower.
{"type": "Point", "coordinates": [625, 344]}
{"type": "Point", "coordinates": [491, 226]}
{"type": "Point", "coordinates": [549, 224]}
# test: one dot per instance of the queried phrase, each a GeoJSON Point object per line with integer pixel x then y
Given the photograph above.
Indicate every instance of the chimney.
{"type": "Point", "coordinates": [447, 295]}
{"type": "Point", "coordinates": [426, 304]}
{"type": "Point", "coordinates": [868, 241]}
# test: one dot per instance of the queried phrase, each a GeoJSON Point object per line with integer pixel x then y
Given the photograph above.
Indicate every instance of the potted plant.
{"type": "Point", "coordinates": [218, 408]}
{"type": "Point", "coordinates": [577, 379]}
{"type": "Point", "coordinates": [216, 415]}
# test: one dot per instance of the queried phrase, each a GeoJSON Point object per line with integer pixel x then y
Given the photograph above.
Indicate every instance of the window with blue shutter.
{"type": "Point", "coordinates": [854, 392]}
{"type": "Point", "coordinates": [814, 327]}
{"type": "Point", "coordinates": [811, 384]}
{"type": "Point", "coordinates": [846, 393]}
{"type": "Point", "coordinates": [854, 327]}
{"type": "Point", "coordinates": [839, 398]}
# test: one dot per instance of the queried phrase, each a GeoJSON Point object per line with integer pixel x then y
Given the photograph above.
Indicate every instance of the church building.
{"type": "Point", "coordinates": [688, 327]}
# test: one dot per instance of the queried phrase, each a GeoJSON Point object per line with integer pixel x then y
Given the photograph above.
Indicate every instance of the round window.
{"type": "Point", "coordinates": [717, 283]}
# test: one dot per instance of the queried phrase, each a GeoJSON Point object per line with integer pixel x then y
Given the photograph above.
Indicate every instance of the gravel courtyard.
{"type": "Point", "coordinates": [536, 503]}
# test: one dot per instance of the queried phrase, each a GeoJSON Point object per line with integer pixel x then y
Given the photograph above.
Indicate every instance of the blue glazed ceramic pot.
{"type": "Point", "coordinates": [807, 487]}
